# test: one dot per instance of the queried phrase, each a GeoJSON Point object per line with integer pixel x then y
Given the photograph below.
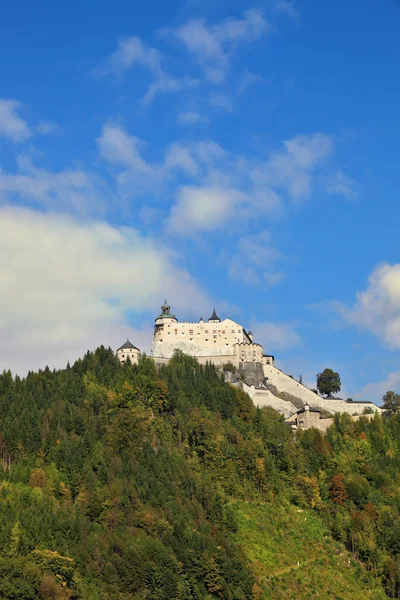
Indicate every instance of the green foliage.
{"type": "Point", "coordinates": [127, 481]}
{"type": "Point", "coordinates": [391, 402]}
{"type": "Point", "coordinates": [328, 382]}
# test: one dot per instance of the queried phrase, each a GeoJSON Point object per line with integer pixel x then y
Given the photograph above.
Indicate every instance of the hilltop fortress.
{"type": "Point", "coordinates": [226, 343]}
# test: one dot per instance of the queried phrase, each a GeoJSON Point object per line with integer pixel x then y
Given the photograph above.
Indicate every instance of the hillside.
{"type": "Point", "coordinates": [124, 482]}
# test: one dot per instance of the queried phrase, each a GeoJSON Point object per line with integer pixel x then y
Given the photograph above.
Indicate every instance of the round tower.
{"type": "Point", "coordinates": [130, 351]}
{"type": "Point", "coordinates": [165, 316]}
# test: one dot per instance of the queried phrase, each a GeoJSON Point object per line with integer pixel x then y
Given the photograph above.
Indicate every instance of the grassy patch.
{"type": "Point", "coordinates": [292, 556]}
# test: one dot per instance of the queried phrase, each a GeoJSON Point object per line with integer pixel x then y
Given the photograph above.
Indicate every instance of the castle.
{"type": "Point", "coordinates": [226, 342]}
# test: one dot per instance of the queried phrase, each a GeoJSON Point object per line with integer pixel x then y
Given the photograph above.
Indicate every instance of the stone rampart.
{"type": "Point", "coordinates": [284, 383]}
{"type": "Point", "coordinates": [261, 397]}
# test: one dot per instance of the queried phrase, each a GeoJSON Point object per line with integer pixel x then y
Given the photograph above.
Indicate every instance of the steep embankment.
{"type": "Point", "coordinates": [293, 556]}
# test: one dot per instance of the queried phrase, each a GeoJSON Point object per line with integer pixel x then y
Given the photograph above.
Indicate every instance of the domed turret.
{"type": "Point", "coordinates": [165, 316]}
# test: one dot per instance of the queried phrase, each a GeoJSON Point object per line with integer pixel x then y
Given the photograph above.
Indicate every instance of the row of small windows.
{"type": "Point", "coordinates": [223, 331]}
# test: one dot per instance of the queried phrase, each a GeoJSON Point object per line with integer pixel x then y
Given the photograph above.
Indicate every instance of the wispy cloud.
{"type": "Point", "coordinates": [131, 52]}
{"type": "Point", "coordinates": [12, 125]}
{"type": "Point", "coordinates": [247, 79]}
{"type": "Point", "coordinates": [70, 190]}
{"type": "Point", "coordinates": [255, 261]}
{"type": "Point", "coordinates": [213, 45]}
{"type": "Point", "coordinates": [377, 308]}
{"type": "Point", "coordinates": [375, 391]}
{"type": "Point", "coordinates": [191, 118]}
{"type": "Point", "coordinates": [221, 102]}
{"type": "Point", "coordinates": [292, 169]}
{"type": "Point", "coordinates": [287, 7]}
{"type": "Point", "coordinates": [342, 185]}
{"type": "Point", "coordinates": [280, 336]}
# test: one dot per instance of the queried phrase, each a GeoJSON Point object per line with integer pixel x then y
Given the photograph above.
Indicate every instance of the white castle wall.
{"type": "Point", "coordinates": [267, 398]}
{"type": "Point", "coordinates": [284, 383]}
{"type": "Point", "coordinates": [197, 339]}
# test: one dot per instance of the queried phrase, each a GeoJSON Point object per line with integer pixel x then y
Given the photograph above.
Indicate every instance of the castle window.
{"type": "Point", "coordinates": [123, 356]}
{"type": "Point", "coordinates": [206, 331]}
{"type": "Point", "coordinates": [191, 339]}
{"type": "Point", "coordinates": [206, 340]}
{"type": "Point", "coordinates": [214, 336]}
{"type": "Point", "coordinates": [160, 340]}
{"type": "Point", "coordinates": [233, 331]}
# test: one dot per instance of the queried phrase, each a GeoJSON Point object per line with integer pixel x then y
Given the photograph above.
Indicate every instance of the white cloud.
{"type": "Point", "coordinates": [341, 184]}
{"type": "Point", "coordinates": [254, 186]}
{"type": "Point", "coordinates": [120, 148]}
{"type": "Point", "coordinates": [287, 7]}
{"type": "Point", "coordinates": [277, 336]}
{"type": "Point", "coordinates": [132, 51]}
{"type": "Point", "coordinates": [191, 118]}
{"type": "Point", "coordinates": [377, 308]}
{"type": "Point", "coordinates": [70, 190]}
{"type": "Point", "coordinates": [212, 174]}
{"type": "Point", "coordinates": [376, 390]}
{"type": "Point", "coordinates": [247, 79]}
{"type": "Point", "coordinates": [12, 126]}
{"type": "Point", "coordinates": [68, 286]}
{"type": "Point", "coordinates": [202, 209]}
{"type": "Point", "coordinates": [292, 169]}
{"type": "Point", "coordinates": [255, 262]}
{"type": "Point", "coordinates": [220, 101]}
{"type": "Point", "coordinates": [213, 45]}
{"type": "Point", "coordinates": [179, 156]}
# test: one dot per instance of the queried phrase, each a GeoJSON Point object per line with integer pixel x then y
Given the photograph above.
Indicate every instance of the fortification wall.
{"type": "Point", "coordinates": [284, 383]}
{"type": "Point", "coordinates": [266, 398]}
{"type": "Point", "coordinates": [218, 360]}
{"type": "Point", "coordinates": [324, 424]}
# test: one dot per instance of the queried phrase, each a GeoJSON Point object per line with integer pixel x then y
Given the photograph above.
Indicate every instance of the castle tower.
{"type": "Point", "coordinates": [214, 318]}
{"type": "Point", "coordinates": [164, 317]}
{"type": "Point", "coordinates": [130, 351]}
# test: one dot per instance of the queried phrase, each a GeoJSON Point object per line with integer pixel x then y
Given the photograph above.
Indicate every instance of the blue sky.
{"type": "Point", "coordinates": [242, 155]}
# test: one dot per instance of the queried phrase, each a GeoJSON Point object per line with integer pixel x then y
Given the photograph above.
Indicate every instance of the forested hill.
{"type": "Point", "coordinates": [124, 482]}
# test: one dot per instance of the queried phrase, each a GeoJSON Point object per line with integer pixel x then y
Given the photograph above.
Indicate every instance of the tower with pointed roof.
{"type": "Point", "coordinates": [128, 351]}
{"type": "Point", "coordinates": [215, 340]}
{"type": "Point", "coordinates": [214, 318]}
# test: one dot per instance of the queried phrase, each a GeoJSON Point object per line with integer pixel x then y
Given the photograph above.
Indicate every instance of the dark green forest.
{"type": "Point", "coordinates": [131, 482]}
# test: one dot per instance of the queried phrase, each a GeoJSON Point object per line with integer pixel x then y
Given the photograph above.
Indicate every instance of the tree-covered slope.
{"type": "Point", "coordinates": [128, 482]}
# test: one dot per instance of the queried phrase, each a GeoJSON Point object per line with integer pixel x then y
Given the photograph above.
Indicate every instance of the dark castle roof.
{"type": "Point", "coordinates": [128, 345]}
{"type": "Point", "coordinates": [214, 316]}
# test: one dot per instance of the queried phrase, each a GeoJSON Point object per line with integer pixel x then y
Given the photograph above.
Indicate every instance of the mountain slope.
{"type": "Point", "coordinates": [127, 482]}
